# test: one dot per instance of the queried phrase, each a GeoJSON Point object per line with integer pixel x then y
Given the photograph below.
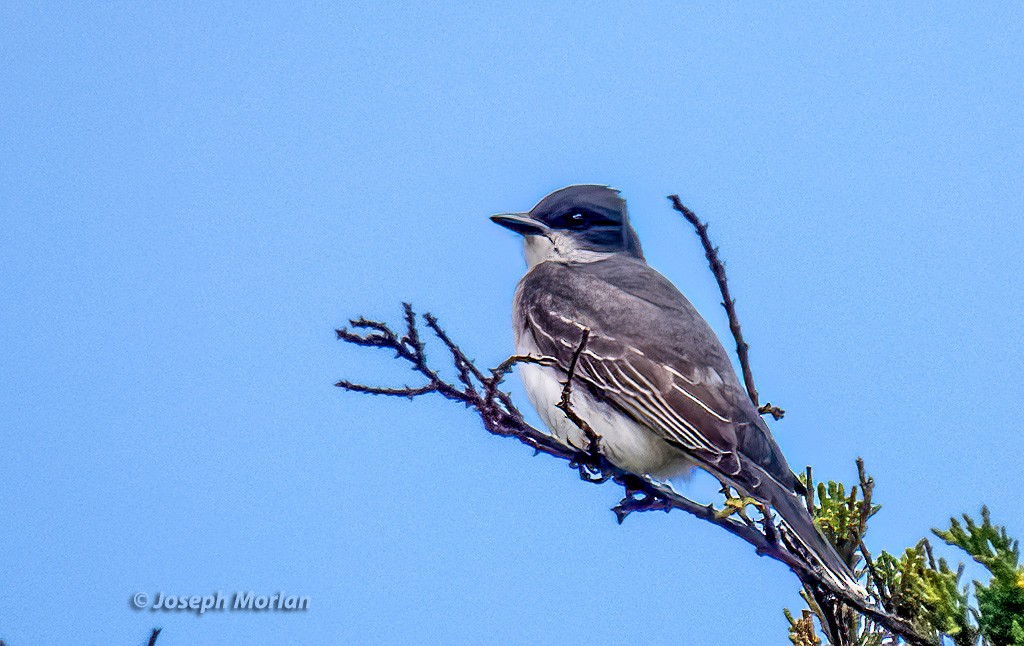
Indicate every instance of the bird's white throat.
{"type": "Point", "coordinates": [557, 247]}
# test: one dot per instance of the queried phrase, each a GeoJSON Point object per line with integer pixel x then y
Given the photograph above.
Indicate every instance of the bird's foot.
{"type": "Point", "coordinates": [638, 497]}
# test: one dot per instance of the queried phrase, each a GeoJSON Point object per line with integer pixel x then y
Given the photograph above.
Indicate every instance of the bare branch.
{"type": "Point", "coordinates": [881, 592]}
{"type": "Point", "coordinates": [500, 417]}
{"type": "Point", "coordinates": [590, 470]}
{"type": "Point", "coordinates": [867, 488]}
{"type": "Point", "coordinates": [565, 405]}
{"type": "Point", "coordinates": [718, 269]}
{"type": "Point", "coordinates": [404, 391]}
{"type": "Point", "coordinates": [809, 486]}
{"type": "Point", "coordinates": [467, 370]}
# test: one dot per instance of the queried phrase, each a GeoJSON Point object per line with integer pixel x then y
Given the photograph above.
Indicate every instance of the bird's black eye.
{"type": "Point", "coordinates": [575, 220]}
{"type": "Point", "coordinates": [581, 219]}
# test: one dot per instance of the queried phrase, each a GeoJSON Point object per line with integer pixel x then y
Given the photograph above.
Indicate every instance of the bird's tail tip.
{"type": "Point", "coordinates": [802, 537]}
{"type": "Point", "coordinates": [824, 558]}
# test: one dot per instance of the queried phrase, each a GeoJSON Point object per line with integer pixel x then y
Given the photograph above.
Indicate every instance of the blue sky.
{"type": "Point", "coordinates": [195, 196]}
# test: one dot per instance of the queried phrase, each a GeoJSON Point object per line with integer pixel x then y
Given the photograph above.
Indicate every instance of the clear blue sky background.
{"type": "Point", "coordinates": [194, 197]}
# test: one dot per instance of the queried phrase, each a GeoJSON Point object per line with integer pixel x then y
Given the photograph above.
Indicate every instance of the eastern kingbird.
{"type": "Point", "coordinates": [653, 380]}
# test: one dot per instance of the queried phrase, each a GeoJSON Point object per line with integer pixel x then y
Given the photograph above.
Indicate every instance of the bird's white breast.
{"type": "Point", "coordinates": [627, 444]}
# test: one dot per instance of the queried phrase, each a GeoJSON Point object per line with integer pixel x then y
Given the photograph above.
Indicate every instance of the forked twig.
{"type": "Point", "coordinates": [565, 405]}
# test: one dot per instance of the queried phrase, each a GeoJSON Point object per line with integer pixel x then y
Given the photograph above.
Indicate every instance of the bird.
{"type": "Point", "coordinates": [651, 378]}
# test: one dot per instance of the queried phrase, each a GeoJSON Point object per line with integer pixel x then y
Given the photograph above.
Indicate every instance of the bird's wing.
{"type": "Point", "coordinates": [652, 356]}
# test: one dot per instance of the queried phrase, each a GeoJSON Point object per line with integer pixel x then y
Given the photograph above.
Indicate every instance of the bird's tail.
{"type": "Point", "coordinates": [800, 535]}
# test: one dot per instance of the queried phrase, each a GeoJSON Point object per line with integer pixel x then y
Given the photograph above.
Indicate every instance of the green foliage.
{"type": "Point", "coordinates": [843, 517]}
{"type": "Point", "coordinates": [914, 587]}
{"type": "Point", "coordinates": [1000, 613]}
{"type": "Point", "coordinates": [801, 631]}
{"type": "Point", "coordinates": [926, 592]}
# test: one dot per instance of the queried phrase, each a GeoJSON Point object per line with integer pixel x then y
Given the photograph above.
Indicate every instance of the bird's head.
{"type": "Point", "coordinates": [579, 223]}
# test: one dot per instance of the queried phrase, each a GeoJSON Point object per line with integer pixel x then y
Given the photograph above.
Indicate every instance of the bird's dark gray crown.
{"type": "Point", "coordinates": [593, 214]}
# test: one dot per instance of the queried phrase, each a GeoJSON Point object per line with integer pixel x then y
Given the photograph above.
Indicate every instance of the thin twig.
{"type": "Point", "coordinates": [565, 403]}
{"type": "Point", "coordinates": [718, 269]}
{"type": "Point", "coordinates": [404, 391]}
{"type": "Point", "coordinates": [879, 584]}
{"type": "Point", "coordinates": [867, 488]}
{"type": "Point", "coordinates": [467, 370]}
{"type": "Point", "coordinates": [589, 470]}
{"type": "Point", "coordinates": [809, 496]}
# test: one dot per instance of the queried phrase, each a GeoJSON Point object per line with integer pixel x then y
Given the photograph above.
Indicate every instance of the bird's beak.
{"type": "Point", "coordinates": [521, 223]}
